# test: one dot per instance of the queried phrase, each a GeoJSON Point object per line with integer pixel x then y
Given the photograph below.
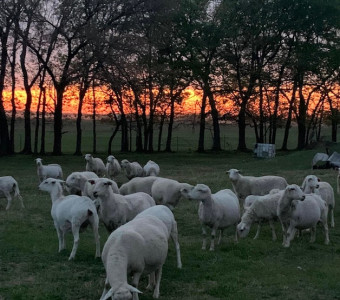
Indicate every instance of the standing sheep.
{"type": "Point", "coordinates": [140, 246]}
{"type": "Point", "coordinates": [9, 189]}
{"type": "Point", "coordinates": [217, 211]}
{"type": "Point", "coordinates": [164, 213]}
{"type": "Point", "coordinates": [76, 182]}
{"type": "Point", "coordinates": [259, 209]}
{"type": "Point", "coordinates": [138, 184]}
{"type": "Point", "coordinates": [95, 164]}
{"type": "Point", "coordinates": [168, 191]}
{"type": "Point", "coordinates": [311, 184]}
{"type": "Point", "coordinates": [71, 213]}
{"type": "Point", "coordinates": [48, 171]}
{"type": "Point", "coordinates": [133, 169]}
{"type": "Point", "coordinates": [115, 209]}
{"type": "Point", "coordinates": [151, 169]}
{"type": "Point", "coordinates": [112, 167]}
{"type": "Point", "coordinates": [250, 185]}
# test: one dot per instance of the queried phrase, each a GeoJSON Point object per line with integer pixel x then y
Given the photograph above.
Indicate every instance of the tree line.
{"type": "Point", "coordinates": [277, 61]}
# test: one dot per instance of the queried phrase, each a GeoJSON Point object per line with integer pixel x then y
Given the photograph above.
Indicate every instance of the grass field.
{"type": "Point", "coordinates": [32, 268]}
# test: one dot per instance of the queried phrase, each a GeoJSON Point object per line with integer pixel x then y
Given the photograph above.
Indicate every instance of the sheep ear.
{"type": "Point", "coordinates": [134, 290]}
{"type": "Point", "coordinates": [319, 179]}
{"type": "Point", "coordinates": [91, 181]}
{"type": "Point", "coordinates": [108, 295]}
{"type": "Point", "coordinates": [108, 183]}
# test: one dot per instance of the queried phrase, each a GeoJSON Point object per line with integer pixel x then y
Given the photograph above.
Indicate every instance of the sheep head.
{"type": "Point", "coordinates": [310, 183]}
{"type": "Point", "coordinates": [185, 190]}
{"type": "Point", "coordinates": [38, 161]}
{"type": "Point", "coordinates": [101, 186]}
{"type": "Point", "coordinates": [243, 229]}
{"type": "Point", "coordinates": [88, 157]}
{"type": "Point", "coordinates": [110, 158]}
{"type": "Point", "coordinates": [294, 192]}
{"type": "Point", "coordinates": [122, 293]}
{"type": "Point", "coordinates": [124, 163]}
{"type": "Point", "coordinates": [234, 174]}
{"type": "Point", "coordinates": [50, 184]}
{"type": "Point", "coordinates": [200, 192]}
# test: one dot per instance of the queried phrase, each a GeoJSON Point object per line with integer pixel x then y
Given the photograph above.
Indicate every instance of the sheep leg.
{"type": "Point", "coordinates": [312, 234]}
{"type": "Point", "coordinates": [325, 229]}
{"type": "Point", "coordinates": [258, 231]}
{"type": "Point", "coordinates": [94, 223]}
{"type": "Point", "coordinates": [331, 210]}
{"type": "Point", "coordinates": [220, 237]}
{"type": "Point", "coordinates": [75, 231]}
{"type": "Point", "coordinates": [271, 224]}
{"type": "Point", "coordinates": [152, 281]}
{"type": "Point", "coordinates": [61, 237]}
{"type": "Point", "coordinates": [290, 235]}
{"type": "Point", "coordinates": [9, 200]}
{"type": "Point", "coordinates": [158, 275]}
{"type": "Point", "coordinates": [204, 234]}
{"type": "Point", "coordinates": [284, 233]}
{"type": "Point", "coordinates": [21, 201]}
{"type": "Point", "coordinates": [135, 281]}
{"type": "Point", "coordinates": [212, 243]}
{"type": "Point", "coordinates": [174, 237]}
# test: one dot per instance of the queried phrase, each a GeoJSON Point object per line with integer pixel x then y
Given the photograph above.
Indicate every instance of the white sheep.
{"type": "Point", "coordinates": [311, 184]}
{"type": "Point", "coordinates": [95, 164]}
{"type": "Point", "coordinates": [48, 171]}
{"type": "Point", "coordinates": [71, 213]}
{"type": "Point", "coordinates": [217, 211]}
{"type": "Point", "coordinates": [138, 184]}
{"type": "Point", "coordinates": [113, 167]}
{"type": "Point", "coordinates": [151, 169]}
{"type": "Point", "coordinates": [76, 182]}
{"type": "Point", "coordinates": [306, 213]}
{"type": "Point", "coordinates": [140, 246]}
{"type": "Point", "coordinates": [259, 209]}
{"type": "Point", "coordinates": [115, 209]}
{"type": "Point", "coordinates": [164, 213]}
{"type": "Point", "coordinates": [9, 189]}
{"type": "Point", "coordinates": [168, 191]}
{"type": "Point", "coordinates": [251, 185]}
{"type": "Point", "coordinates": [132, 169]}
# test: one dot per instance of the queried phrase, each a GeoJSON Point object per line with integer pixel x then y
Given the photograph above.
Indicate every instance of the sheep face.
{"type": "Point", "coordinates": [101, 186]}
{"type": "Point", "coordinates": [48, 184]}
{"type": "Point", "coordinates": [185, 192]}
{"type": "Point", "coordinates": [233, 174]}
{"type": "Point", "coordinates": [312, 182]}
{"type": "Point", "coordinates": [38, 161]}
{"type": "Point", "coordinates": [72, 182]}
{"type": "Point", "coordinates": [200, 192]}
{"type": "Point", "coordinates": [243, 229]}
{"type": "Point", "coordinates": [110, 158]}
{"type": "Point", "coordinates": [88, 157]}
{"type": "Point", "coordinates": [294, 192]}
{"type": "Point", "coordinates": [124, 163]}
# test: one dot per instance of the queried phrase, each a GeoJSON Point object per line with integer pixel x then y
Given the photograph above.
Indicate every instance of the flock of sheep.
{"type": "Point", "coordinates": [139, 216]}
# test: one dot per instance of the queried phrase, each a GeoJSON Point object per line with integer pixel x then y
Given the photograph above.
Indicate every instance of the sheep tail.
{"type": "Point", "coordinates": [16, 190]}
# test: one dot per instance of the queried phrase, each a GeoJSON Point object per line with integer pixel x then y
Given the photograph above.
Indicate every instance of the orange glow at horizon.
{"type": "Point", "coordinates": [190, 103]}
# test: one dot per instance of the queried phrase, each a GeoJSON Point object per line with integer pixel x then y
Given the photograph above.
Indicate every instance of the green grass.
{"type": "Point", "coordinates": [32, 268]}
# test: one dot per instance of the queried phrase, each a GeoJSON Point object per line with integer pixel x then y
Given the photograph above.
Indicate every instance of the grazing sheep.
{"type": "Point", "coordinates": [259, 209]}
{"type": "Point", "coordinates": [133, 169]}
{"type": "Point", "coordinates": [151, 169]}
{"type": "Point", "coordinates": [217, 211]}
{"type": "Point", "coordinates": [138, 184]}
{"type": "Point", "coordinates": [311, 184]}
{"type": "Point", "coordinates": [319, 157]}
{"type": "Point", "coordinates": [76, 182]}
{"type": "Point", "coordinates": [112, 167]}
{"type": "Point", "coordinates": [48, 171]}
{"type": "Point", "coordinates": [164, 213]}
{"type": "Point", "coordinates": [139, 246]}
{"type": "Point", "coordinates": [115, 209]}
{"type": "Point", "coordinates": [95, 164]}
{"type": "Point", "coordinates": [71, 213]}
{"type": "Point", "coordinates": [250, 185]}
{"type": "Point", "coordinates": [9, 189]}
{"type": "Point", "coordinates": [294, 214]}
{"type": "Point", "coordinates": [168, 191]}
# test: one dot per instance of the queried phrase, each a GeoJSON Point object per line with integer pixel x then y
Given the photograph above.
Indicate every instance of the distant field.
{"type": "Point", "coordinates": [31, 267]}
{"type": "Point", "coordinates": [185, 137]}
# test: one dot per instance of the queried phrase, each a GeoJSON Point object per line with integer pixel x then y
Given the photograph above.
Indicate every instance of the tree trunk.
{"type": "Point", "coordinates": [170, 126]}
{"type": "Point", "coordinates": [301, 119]}
{"type": "Point", "coordinates": [160, 132]}
{"type": "Point", "coordinates": [242, 127]}
{"type": "Point", "coordinates": [58, 121]}
{"type": "Point", "coordinates": [82, 93]}
{"type": "Point", "coordinates": [216, 126]}
{"type": "Point", "coordinates": [37, 123]}
{"type": "Point", "coordinates": [43, 123]}
{"type": "Point", "coordinates": [202, 124]}
{"type": "Point", "coordinates": [94, 129]}
{"type": "Point", "coordinates": [109, 148]}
